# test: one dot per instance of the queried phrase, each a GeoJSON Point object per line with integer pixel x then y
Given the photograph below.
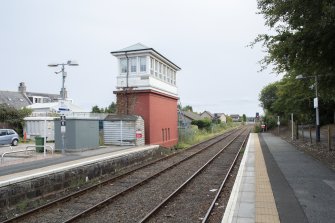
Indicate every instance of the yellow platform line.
{"type": "Point", "coordinates": [266, 210]}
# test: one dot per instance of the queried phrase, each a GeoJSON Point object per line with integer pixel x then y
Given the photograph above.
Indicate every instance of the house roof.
{"type": "Point", "coordinates": [138, 47]}
{"type": "Point", "coordinates": [191, 115]}
{"type": "Point", "coordinates": [210, 114]}
{"type": "Point", "coordinates": [219, 114]}
{"type": "Point", "coordinates": [14, 99]}
{"type": "Point", "coordinates": [135, 47]}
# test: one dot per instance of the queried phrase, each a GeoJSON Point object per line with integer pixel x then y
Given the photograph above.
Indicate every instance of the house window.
{"type": "Point", "coordinates": [164, 72]}
{"type": "Point", "coordinates": [169, 133]}
{"type": "Point", "coordinates": [174, 77]}
{"type": "Point", "coordinates": [143, 64]}
{"type": "Point", "coordinates": [133, 64]}
{"type": "Point", "coordinates": [166, 134]}
{"type": "Point", "coordinates": [156, 68]}
{"type": "Point", "coordinates": [160, 70]}
{"type": "Point", "coordinates": [169, 75]}
{"type": "Point", "coordinates": [123, 65]}
{"type": "Point", "coordinates": [163, 134]}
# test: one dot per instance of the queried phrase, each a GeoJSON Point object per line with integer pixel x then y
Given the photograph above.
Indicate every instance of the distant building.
{"type": "Point", "coordinates": [235, 117]}
{"type": "Point", "coordinates": [13, 99]}
{"type": "Point", "coordinates": [186, 118]}
{"type": "Point", "coordinates": [21, 98]}
{"type": "Point", "coordinates": [38, 97]}
{"type": "Point", "coordinates": [207, 114]}
{"type": "Point", "coordinates": [221, 116]}
{"type": "Point", "coordinates": [38, 102]}
{"type": "Point", "coordinates": [146, 86]}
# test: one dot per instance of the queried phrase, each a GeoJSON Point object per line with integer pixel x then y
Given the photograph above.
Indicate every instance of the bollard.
{"type": "Point", "coordinates": [302, 133]}
{"type": "Point", "coordinates": [310, 134]}
{"type": "Point", "coordinates": [329, 138]}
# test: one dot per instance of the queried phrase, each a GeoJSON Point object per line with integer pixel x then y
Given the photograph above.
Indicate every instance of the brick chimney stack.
{"type": "Point", "coordinates": [22, 88]}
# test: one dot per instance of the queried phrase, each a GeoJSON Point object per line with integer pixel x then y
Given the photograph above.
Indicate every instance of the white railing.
{"type": "Point", "coordinates": [25, 151]}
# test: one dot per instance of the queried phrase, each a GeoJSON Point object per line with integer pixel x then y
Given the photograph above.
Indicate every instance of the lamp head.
{"type": "Point", "coordinates": [52, 65]}
{"type": "Point", "coordinates": [72, 63]}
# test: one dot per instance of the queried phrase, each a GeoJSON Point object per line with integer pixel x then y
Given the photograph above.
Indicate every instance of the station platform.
{"type": "Point", "coordinates": [278, 183]}
{"type": "Point", "coordinates": [39, 165]}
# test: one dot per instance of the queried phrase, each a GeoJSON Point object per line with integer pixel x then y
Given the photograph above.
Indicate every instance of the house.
{"type": "Point", "coordinates": [220, 116]}
{"type": "Point", "coordinates": [186, 118]}
{"type": "Point", "coordinates": [37, 97]}
{"type": "Point", "coordinates": [14, 99]}
{"type": "Point", "coordinates": [146, 86]}
{"type": "Point", "coordinates": [207, 114]}
{"type": "Point", "coordinates": [21, 98]}
{"type": "Point", "coordinates": [235, 117]}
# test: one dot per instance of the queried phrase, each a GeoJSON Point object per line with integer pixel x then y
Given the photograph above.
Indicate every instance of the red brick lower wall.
{"type": "Point", "coordinates": [159, 112]}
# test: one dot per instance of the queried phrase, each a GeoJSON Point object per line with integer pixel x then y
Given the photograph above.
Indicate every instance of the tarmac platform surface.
{"type": "Point", "coordinates": [278, 183]}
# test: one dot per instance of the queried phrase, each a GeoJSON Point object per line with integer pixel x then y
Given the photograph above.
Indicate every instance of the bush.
{"type": "Point", "coordinates": [202, 124]}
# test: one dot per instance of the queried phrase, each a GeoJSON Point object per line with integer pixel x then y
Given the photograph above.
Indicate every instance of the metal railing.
{"type": "Point", "coordinates": [25, 151]}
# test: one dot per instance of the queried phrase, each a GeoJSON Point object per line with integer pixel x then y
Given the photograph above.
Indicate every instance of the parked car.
{"type": "Point", "coordinates": [8, 136]}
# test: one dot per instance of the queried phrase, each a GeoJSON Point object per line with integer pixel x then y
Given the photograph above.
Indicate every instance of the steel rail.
{"type": "Point", "coordinates": [174, 193]}
{"type": "Point", "coordinates": [105, 182]}
{"type": "Point", "coordinates": [210, 209]}
{"type": "Point", "coordinates": [109, 200]}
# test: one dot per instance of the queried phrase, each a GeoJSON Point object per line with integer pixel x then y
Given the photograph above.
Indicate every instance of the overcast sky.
{"type": "Point", "coordinates": [207, 39]}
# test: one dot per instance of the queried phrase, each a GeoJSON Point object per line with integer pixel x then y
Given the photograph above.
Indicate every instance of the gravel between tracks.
{"type": "Point", "coordinates": [135, 205]}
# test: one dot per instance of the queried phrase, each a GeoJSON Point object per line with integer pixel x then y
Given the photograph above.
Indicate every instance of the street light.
{"type": "Point", "coordinates": [62, 127]}
{"type": "Point", "coordinates": [69, 63]}
{"type": "Point", "coordinates": [316, 104]}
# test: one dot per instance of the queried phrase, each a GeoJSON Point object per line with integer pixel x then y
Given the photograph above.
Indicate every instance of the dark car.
{"type": "Point", "coordinates": [8, 136]}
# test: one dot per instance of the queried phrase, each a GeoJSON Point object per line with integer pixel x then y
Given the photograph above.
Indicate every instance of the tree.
{"type": "Point", "coordinates": [96, 109]}
{"type": "Point", "coordinates": [111, 108]}
{"type": "Point", "coordinates": [304, 40]}
{"type": "Point", "coordinates": [244, 118]}
{"type": "Point", "coordinates": [14, 117]}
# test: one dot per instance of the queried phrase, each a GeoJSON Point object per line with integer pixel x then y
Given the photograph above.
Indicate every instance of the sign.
{"type": "Point", "coordinates": [263, 126]}
{"type": "Point", "coordinates": [316, 102]}
{"type": "Point", "coordinates": [139, 134]}
{"type": "Point", "coordinates": [62, 124]}
{"type": "Point", "coordinates": [278, 123]}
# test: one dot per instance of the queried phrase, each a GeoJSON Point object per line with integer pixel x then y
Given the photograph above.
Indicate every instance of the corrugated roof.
{"type": "Point", "coordinates": [14, 99]}
{"type": "Point", "coordinates": [121, 117]}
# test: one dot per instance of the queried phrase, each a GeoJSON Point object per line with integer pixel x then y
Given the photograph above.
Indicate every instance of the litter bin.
{"type": "Point", "coordinates": [39, 142]}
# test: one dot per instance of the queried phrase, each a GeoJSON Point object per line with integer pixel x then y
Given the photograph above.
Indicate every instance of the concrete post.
{"type": "Point", "coordinates": [329, 138]}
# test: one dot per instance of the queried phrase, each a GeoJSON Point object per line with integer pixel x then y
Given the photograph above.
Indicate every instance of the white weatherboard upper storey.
{"type": "Point", "coordinates": [147, 70]}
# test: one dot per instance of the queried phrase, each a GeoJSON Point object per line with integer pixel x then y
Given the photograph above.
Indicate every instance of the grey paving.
{"type": "Point", "coordinates": [34, 164]}
{"type": "Point", "coordinates": [311, 183]}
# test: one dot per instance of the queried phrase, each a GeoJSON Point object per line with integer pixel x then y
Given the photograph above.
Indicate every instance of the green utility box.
{"type": "Point", "coordinates": [39, 142]}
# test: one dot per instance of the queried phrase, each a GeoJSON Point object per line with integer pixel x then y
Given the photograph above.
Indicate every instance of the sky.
{"type": "Point", "coordinates": [208, 40]}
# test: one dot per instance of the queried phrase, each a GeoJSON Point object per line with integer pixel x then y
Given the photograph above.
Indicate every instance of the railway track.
{"type": "Point", "coordinates": [153, 196]}
{"type": "Point", "coordinates": [75, 205]}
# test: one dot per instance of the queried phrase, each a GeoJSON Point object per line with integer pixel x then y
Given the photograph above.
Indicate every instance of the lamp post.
{"type": "Point", "coordinates": [316, 104]}
{"type": "Point", "coordinates": [69, 63]}
{"type": "Point", "coordinates": [62, 118]}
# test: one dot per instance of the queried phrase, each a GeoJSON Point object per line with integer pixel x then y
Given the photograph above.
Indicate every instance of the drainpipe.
{"type": "Point", "coordinates": [127, 83]}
